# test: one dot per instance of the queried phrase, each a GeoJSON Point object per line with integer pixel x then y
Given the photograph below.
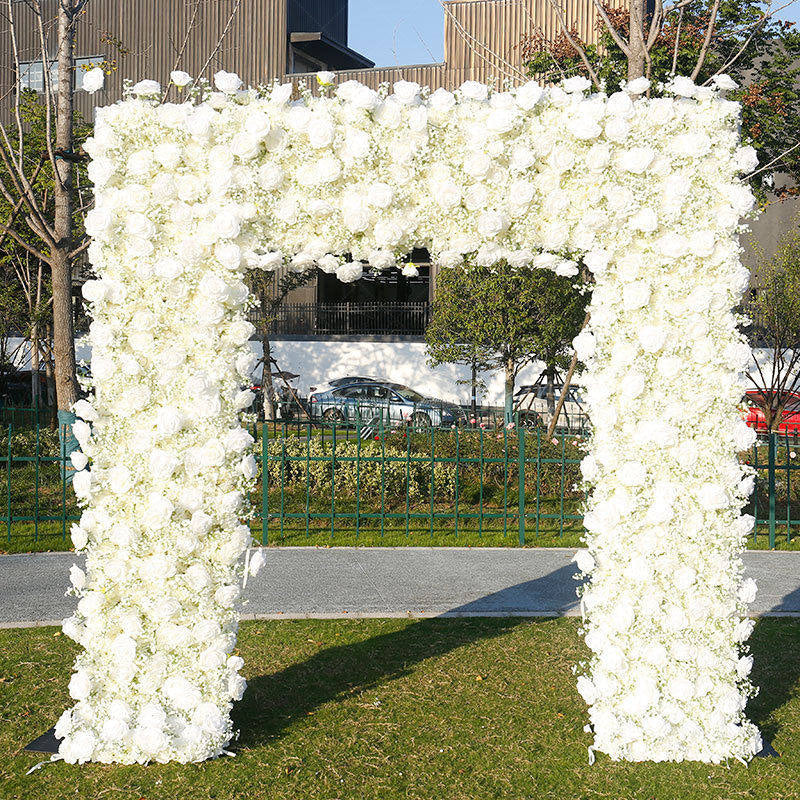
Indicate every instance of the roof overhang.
{"type": "Point", "coordinates": [323, 48]}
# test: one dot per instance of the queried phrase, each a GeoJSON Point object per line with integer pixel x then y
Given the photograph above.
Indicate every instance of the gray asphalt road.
{"type": "Point", "coordinates": [385, 582]}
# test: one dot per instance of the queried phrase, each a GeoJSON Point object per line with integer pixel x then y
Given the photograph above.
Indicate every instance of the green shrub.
{"type": "Point", "coordinates": [23, 443]}
{"type": "Point", "coordinates": [372, 466]}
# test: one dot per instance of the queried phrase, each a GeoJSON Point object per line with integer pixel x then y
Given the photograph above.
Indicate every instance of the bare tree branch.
{"type": "Point", "coordinates": [614, 33]}
{"type": "Point", "coordinates": [677, 41]}
{"type": "Point", "coordinates": [221, 38]}
{"type": "Point", "coordinates": [574, 43]}
{"type": "Point", "coordinates": [179, 56]}
{"type": "Point", "coordinates": [712, 21]}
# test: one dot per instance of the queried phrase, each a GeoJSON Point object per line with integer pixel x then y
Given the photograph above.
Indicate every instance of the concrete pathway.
{"type": "Point", "coordinates": [387, 582]}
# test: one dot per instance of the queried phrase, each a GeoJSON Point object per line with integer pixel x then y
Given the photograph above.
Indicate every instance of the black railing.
{"type": "Point", "coordinates": [349, 319]}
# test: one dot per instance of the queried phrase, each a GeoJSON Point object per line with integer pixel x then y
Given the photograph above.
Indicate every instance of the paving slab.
{"type": "Point", "coordinates": [340, 582]}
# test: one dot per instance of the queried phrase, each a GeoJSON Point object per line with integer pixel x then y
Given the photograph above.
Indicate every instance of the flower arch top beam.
{"type": "Point", "coordinates": [188, 196]}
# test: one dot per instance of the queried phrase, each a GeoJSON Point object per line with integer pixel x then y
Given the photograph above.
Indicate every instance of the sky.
{"type": "Point", "coordinates": [393, 32]}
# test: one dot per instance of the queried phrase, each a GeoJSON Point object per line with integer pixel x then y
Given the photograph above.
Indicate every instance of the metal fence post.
{"type": "Point", "coordinates": [521, 469]}
{"type": "Point", "coordinates": [264, 484]}
{"type": "Point", "coordinates": [771, 482]}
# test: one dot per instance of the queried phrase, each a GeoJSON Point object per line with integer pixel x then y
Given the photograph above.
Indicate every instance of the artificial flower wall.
{"type": "Point", "coordinates": [189, 195]}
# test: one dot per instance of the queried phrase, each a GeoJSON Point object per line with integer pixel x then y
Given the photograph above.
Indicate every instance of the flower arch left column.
{"type": "Point", "coordinates": [162, 527]}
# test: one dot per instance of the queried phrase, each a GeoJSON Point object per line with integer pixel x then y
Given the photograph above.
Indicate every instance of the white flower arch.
{"type": "Point", "coordinates": [644, 191]}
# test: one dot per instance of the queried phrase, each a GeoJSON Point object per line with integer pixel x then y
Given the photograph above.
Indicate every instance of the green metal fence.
{"type": "Point", "coordinates": [775, 502]}
{"type": "Point", "coordinates": [379, 483]}
{"type": "Point", "coordinates": [397, 484]}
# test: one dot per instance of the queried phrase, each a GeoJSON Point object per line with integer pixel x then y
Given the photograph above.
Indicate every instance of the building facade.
{"type": "Point", "coordinates": [291, 40]}
{"type": "Point", "coordinates": [325, 323]}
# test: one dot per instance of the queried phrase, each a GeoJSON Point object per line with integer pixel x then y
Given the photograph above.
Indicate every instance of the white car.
{"type": "Point", "coordinates": [531, 402]}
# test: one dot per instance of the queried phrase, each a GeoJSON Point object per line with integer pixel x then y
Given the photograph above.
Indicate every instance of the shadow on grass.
{"type": "Point", "coordinates": [776, 671]}
{"type": "Point", "coordinates": [273, 702]}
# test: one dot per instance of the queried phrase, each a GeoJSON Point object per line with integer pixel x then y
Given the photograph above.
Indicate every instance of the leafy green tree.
{"type": "Point", "coordinates": [775, 330]}
{"type": "Point", "coordinates": [700, 38]}
{"type": "Point", "coordinates": [504, 318]}
{"type": "Point", "coordinates": [19, 245]}
{"type": "Point", "coordinates": [12, 314]}
{"type": "Point", "coordinates": [45, 211]}
{"type": "Point", "coordinates": [271, 290]}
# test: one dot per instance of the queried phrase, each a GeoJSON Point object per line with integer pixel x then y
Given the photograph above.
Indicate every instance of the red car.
{"type": "Point", "coordinates": [791, 413]}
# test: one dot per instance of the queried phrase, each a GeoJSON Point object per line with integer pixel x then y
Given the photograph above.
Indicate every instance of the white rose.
{"type": "Point", "coordinates": [672, 245]}
{"type": "Point", "coordinates": [584, 127]}
{"type": "Point", "coordinates": [80, 686]}
{"type": "Point", "coordinates": [472, 90]}
{"type": "Point", "coordinates": [578, 84]}
{"type": "Point", "coordinates": [632, 473]}
{"type": "Point", "coordinates": [682, 86]}
{"type": "Point", "coordinates": [227, 82]}
{"type": "Point", "coordinates": [746, 159]}
{"type": "Point", "coordinates": [406, 92]}
{"type": "Point", "coordinates": [724, 82]}
{"type": "Point", "coordinates": [79, 537]}
{"type": "Point", "coordinates": [146, 88]}
{"type": "Point", "coordinates": [584, 560]}
{"type": "Point", "coordinates": [635, 295]}
{"type": "Point", "coordinates": [380, 195]}
{"type": "Point", "coordinates": [491, 224]}
{"type": "Point", "coordinates": [244, 399]}
{"type": "Point", "coordinates": [158, 510]}
{"type": "Point", "coordinates": [747, 591]}
{"type": "Point", "coordinates": [350, 271]}
{"type": "Point", "coordinates": [528, 95]}
{"type": "Point", "coordinates": [326, 78]}
{"type": "Point", "coordinates": [636, 159]}
{"type": "Point", "coordinates": [226, 596]}
{"type": "Point", "coordinates": [744, 665]}
{"type": "Point", "coordinates": [620, 104]}
{"type": "Point", "coordinates": [441, 100]}
{"type": "Point", "coordinates": [180, 78]}
{"type": "Point", "coordinates": [82, 484]}
{"type": "Point", "coordinates": [712, 496]}
{"type": "Point", "coordinates": [637, 85]}
{"type": "Point", "coordinates": [645, 220]}
{"type": "Point", "coordinates": [140, 225]}
{"type": "Point", "coordinates": [584, 344]}
{"type": "Point", "coordinates": [198, 122]}
{"type": "Point", "coordinates": [93, 80]}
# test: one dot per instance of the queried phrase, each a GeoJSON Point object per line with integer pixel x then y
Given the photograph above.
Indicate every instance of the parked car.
{"type": "Point", "coordinates": [790, 422]}
{"type": "Point", "coordinates": [531, 402]}
{"type": "Point", "coordinates": [368, 401]}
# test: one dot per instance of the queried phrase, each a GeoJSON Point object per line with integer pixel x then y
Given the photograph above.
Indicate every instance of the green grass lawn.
{"type": "Point", "coordinates": [471, 709]}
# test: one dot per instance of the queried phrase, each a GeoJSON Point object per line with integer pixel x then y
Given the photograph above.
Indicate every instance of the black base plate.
{"type": "Point", "coordinates": [767, 751]}
{"type": "Point", "coordinates": [46, 743]}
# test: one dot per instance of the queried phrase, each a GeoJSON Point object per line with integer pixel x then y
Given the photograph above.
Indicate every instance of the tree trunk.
{"type": "Point", "coordinates": [61, 266]}
{"type": "Point", "coordinates": [636, 59]}
{"type": "Point", "coordinates": [267, 387]}
{"type": "Point", "coordinates": [34, 338]}
{"type": "Point", "coordinates": [474, 397]}
{"type": "Point", "coordinates": [60, 262]}
{"type": "Point", "coordinates": [509, 404]}
{"type": "Point", "coordinates": [551, 391]}
{"type": "Point", "coordinates": [50, 383]}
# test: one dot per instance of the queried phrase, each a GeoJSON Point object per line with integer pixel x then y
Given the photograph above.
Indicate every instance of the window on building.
{"type": "Point", "coordinates": [383, 304]}
{"type": "Point", "coordinates": [390, 286]}
{"type": "Point", "coordinates": [31, 73]}
{"type": "Point", "coordinates": [303, 62]}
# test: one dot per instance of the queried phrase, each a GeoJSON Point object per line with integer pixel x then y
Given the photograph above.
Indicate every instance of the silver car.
{"type": "Point", "coordinates": [366, 401]}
